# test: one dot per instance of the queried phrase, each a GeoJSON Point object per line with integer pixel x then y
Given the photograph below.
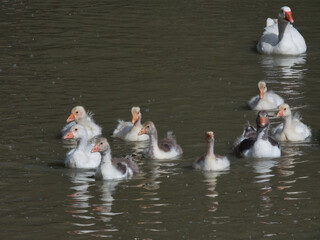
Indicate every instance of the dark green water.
{"type": "Point", "coordinates": [191, 67]}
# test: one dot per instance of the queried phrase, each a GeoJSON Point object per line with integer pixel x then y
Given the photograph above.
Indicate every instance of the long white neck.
{"type": "Point", "coordinates": [106, 157]}
{"type": "Point", "coordinates": [82, 142]}
{"type": "Point", "coordinates": [210, 157]}
{"type": "Point", "coordinates": [283, 27]}
{"type": "Point", "coordinates": [154, 140]}
{"type": "Point", "coordinates": [137, 124]}
{"type": "Point", "coordinates": [287, 121]}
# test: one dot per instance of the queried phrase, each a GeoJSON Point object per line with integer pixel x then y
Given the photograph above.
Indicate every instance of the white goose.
{"type": "Point", "coordinates": [211, 161]}
{"type": "Point", "coordinates": [280, 37]}
{"type": "Point", "coordinates": [265, 100]}
{"type": "Point", "coordinates": [165, 149]}
{"type": "Point", "coordinates": [80, 157]}
{"type": "Point", "coordinates": [112, 168]}
{"type": "Point", "coordinates": [79, 116]}
{"type": "Point", "coordinates": [292, 129]}
{"type": "Point", "coordinates": [129, 130]}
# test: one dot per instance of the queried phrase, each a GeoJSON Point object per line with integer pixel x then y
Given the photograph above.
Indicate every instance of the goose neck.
{"type": "Point", "coordinates": [283, 27]}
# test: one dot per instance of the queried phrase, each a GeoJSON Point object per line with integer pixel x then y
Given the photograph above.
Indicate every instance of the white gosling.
{"type": "Point", "coordinates": [265, 100]}
{"type": "Point", "coordinates": [112, 168]}
{"type": "Point", "coordinates": [163, 149]}
{"type": "Point", "coordinates": [292, 129]}
{"type": "Point", "coordinates": [80, 157]}
{"type": "Point", "coordinates": [280, 37]}
{"type": "Point", "coordinates": [129, 130]}
{"type": "Point", "coordinates": [210, 161]}
{"type": "Point", "coordinates": [79, 116]}
{"type": "Point", "coordinates": [259, 145]}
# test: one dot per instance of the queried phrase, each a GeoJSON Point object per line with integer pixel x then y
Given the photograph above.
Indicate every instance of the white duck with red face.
{"type": "Point", "coordinates": [129, 130]}
{"type": "Point", "coordinates": [292, 129]}
{"type": "Point", "coordinates": [79, 116]}
{"type": "Point", "coordinates": [265, 100]}
{"type": "Point", "coordinates": [80, 157]}
{"type": "Point", "coordinates": [211, 161]}
{"type": "Point", "coordinates": [164, 149]}
{"type": "Point", "coordinates": [112, 168]}
{"type": "Point", "coordinates": [280, 37]}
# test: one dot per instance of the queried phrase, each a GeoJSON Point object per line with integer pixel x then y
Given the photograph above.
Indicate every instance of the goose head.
{"type": "Point", "coordinates": [284, 110]}
{"type": "Point", "coordinates": [101, 145]}
{"type": "Point", "coordinates": [136, 114]}
{"type": "Point", "coordinates": [285, 14]}
{"type": "Point", "coordinates": [148, 128]}
{"type": "Point", "coordinates": [76, 132]}
{"type": "Point", "coordinates": [210, 137]}
{"type": "Point", "coordinates": [77, 113]}
{"type": "Point", "coordinates": [262, 87]}
{"type": "Point", "coordinates": [262, 119]}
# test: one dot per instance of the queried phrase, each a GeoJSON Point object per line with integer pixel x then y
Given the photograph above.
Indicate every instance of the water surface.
{"type": "Point", "coordinates": [191, 67]}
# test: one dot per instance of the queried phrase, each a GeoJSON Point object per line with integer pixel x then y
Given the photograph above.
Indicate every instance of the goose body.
{"type": "Point", "coordinates": [211, 161]}
{"type": "Point", "coordinates": [79, 116]}
{"type": "Point", "coordinates": [164, 149]}
{"type": "Point", "coordinates": [265, 100]}
{"type": "Point", "coordinates": [129, 130]}
{"type": "Point", "coordinates": [112, 168]}
{"type": "Point", "coordinates": [80, 157]}
{"type": "Point", "coordinates": [292, 129]}
{"type": "Point", "coordinates": [280, 37]}
{"type": "Point", "coordinates": [258, 145]}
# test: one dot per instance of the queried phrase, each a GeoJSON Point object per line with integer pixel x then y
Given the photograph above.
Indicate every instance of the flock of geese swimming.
{"type": "Point", "coordinates": [94, 152]}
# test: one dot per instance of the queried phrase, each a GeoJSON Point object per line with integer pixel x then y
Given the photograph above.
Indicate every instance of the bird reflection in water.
{"type": "Point", "coordinates": [86, 213]}
{"type": "Point", "coordinates": [289, 70]}
{"type": "Point", "coordinates": [78, 200]}
{"type": "Point", "coordinates": [285, 66]}
{"type": "Point", "coordinates": [150, 203]}
{"type": "Point", "coordinates": [211, 182]}
{"type": "Point", "coordinates": [264, 168]}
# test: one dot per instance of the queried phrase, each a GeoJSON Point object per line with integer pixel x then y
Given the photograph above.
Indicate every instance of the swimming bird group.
{"type": "Point", "coordinates": [93, 151]}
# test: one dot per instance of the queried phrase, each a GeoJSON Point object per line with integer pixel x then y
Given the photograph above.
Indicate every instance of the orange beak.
{"type": "Point", "coordinates": [71, 118]}
{"type": "Point", "coordinates": [263, 121]}
{"type": "Point", "coordinates": [289, 17]}
{"type": "Point", "coordinates": [261, 93]}
{"type": "Point", "coordinates": [69, 135]}
{"type": "Point", "coordinates": [142, 131]}
{"type": "Point", "coordinates": [280, 113]}
{"type": "Point", "coordinates": [95, 148]}
{"type": "Point", "coordinates": [210, 135]}
{"type": "Point", "coordinates": [134, 117]}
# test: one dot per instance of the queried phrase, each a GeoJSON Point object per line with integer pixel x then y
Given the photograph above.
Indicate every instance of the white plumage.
{"type": "Point", "coordinates": [280, 37]}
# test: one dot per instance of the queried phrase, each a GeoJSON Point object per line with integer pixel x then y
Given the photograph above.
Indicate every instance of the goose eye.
{"type": "Point", "coordinates": [101, 143]}
{"type": "Point", "coordinates": [76, 129]}
{"type": "Point", "coordinates": [285, 109]}
{"type": "Point", "coordinates": [77, 112]}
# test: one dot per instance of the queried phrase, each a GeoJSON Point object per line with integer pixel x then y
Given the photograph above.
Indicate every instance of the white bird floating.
{"type": "Point", "coordinates": [280, 37]}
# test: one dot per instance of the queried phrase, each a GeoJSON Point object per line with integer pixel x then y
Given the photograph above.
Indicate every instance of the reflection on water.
{"type": "Point", "coordinates": [104, 209]}
{"type": "Point", "coordinates": [211, 183]}
{"type": "Point", "coordinates": [289, 70]}
{"type": "Point", "coordinates": [284, 66]}
{"type": "Point", "coordinates": [151, 205]}
{"type": "Point", "coordinates": [264, 169]}
{"type": "Point", "coordinates": [86, 213]}
{"type": "Point", "coordinates": [277, 178]}
{"type": "Point", "coordinates": [190, 68]}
